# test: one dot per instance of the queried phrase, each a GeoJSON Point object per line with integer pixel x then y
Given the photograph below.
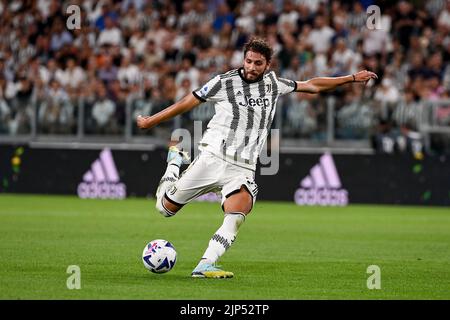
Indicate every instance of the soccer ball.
{"type": "Point", "coordinates": [159, 256]}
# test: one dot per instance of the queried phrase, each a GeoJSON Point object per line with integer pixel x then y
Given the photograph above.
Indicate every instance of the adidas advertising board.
{"type": "Point", "coordinates": [307, 178]}
{"type": "Point", "coordinates": [322, 186]}
{"type": "Point", "coordinates": [101, 181]}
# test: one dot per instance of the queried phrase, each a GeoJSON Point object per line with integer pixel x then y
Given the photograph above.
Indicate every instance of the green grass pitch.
{"type": "Point", "coordinates": [282, 251]}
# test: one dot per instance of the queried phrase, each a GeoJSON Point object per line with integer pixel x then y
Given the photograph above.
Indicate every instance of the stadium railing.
{"type": "Point", "coordinates": [72, 123]}
{"type": "Point", "coordinates": [436, 124]}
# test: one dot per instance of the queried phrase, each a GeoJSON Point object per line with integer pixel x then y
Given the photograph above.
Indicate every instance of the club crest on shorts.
{"type": "Point", "coordinates": [172, 190]}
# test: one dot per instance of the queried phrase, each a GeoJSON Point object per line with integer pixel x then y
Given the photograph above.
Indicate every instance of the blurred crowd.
{"type": "Point", "coordinates": [152, 52]}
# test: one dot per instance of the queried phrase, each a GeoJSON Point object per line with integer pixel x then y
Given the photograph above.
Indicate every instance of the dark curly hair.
{"type": "Point", "coordinates": [260, 46]}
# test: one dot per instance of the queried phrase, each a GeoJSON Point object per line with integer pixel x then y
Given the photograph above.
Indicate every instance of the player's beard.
{"type": "Point", "coordinates": [254, 75]}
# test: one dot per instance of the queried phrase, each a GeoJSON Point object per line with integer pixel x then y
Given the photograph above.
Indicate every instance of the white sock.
{"type": "Point", "coordinates": [223, 238]}
{"type": "Point", "coordinates": [171, 176]}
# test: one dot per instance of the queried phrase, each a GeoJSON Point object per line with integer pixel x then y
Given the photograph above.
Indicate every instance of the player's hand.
{"type": "Point", "coordinates": [143, 122]}
{"type": "Point", "coordinates": [364, 76]}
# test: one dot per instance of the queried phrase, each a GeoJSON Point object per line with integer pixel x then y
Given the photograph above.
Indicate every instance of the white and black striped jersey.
{"type": "Point", "coordinates": [244, 111]}
{"type": "Point", "coordinates": [412, 114]}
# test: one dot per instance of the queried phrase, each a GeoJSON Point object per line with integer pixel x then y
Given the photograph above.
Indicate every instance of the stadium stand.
{"type": "Point", "coordinates": [137, 57]}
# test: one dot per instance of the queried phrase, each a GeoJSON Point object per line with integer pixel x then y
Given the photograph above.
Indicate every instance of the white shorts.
{"type": "Point", "coordinates": [208, 173]}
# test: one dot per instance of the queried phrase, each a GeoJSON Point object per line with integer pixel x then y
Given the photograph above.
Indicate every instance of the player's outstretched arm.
{"type": "Point", "coordinates": [187, 103]}
{"type": "Point", "coordinates": [319, 84]}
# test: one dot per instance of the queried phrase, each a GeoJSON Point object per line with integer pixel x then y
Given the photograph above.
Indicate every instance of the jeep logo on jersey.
{"type": "Point", "coordinates": [322, 186]}
{"type": "Point", "coordinates": [260, 102]}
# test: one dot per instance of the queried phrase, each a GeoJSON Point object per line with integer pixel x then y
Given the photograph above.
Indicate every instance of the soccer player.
{"type": "Point", "coordinates": [245, 102]}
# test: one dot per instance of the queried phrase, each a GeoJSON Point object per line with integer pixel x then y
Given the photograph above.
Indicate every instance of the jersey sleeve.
{"type": "Point", "coordinates": [211, 91]}
{"type": "Point", "coordinates": [286, 86]}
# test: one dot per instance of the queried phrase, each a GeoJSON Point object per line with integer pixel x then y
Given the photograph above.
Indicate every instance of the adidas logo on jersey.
{"type": "Point", "coordinates": [102, 180]}
{"type": "Point", "coordinates": [322, 186]}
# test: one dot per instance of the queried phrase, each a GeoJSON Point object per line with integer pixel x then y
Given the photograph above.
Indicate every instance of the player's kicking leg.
{"type": "Point", "coordinates": [175, 158]}
{"type": "Point", "coordinates": [236, 207]}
